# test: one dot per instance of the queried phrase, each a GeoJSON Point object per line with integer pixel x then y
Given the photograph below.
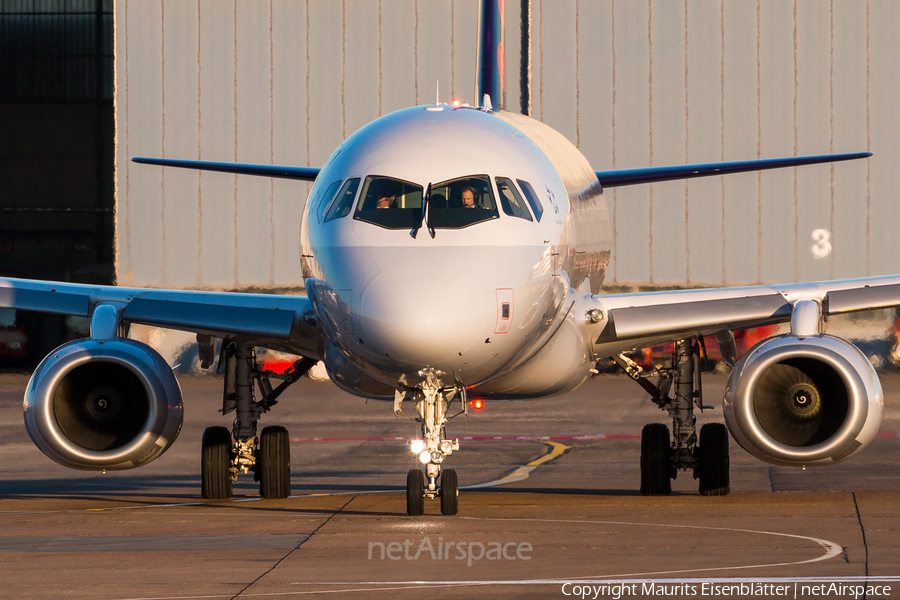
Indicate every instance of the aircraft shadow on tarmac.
{"type": "Point", "coordinates": [187, 488]}
{"type": "Point", "coordinates": [178, 486]}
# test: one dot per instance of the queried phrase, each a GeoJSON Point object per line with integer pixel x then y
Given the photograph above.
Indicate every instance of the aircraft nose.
{"type": "Point", "coordinates": [412, 320]}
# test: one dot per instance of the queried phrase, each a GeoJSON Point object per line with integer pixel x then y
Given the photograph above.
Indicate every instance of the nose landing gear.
{"type": "Point", "coordinates": [432, 404]}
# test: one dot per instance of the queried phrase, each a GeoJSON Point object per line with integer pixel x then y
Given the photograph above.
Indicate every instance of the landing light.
{"type": "Point", "coordinates": [477, 404]}
{"type": "Point", "coordinates": [425, 457]}
{"type": "Point", "coordinates": [416, 446]}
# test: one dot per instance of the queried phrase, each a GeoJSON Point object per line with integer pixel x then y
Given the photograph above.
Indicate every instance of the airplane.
{"type": "Point", "coordinates": [451, 252]}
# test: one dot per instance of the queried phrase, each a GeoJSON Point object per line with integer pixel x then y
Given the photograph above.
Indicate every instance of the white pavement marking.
{"type": "Point", "coordinates": [832, 550]}
{"type": "Point", "coordinates": [294, 593]}
{"type": "Point", "coordinates": [425, 584]}
{"type": "Point", "coordinates": [711, 580]}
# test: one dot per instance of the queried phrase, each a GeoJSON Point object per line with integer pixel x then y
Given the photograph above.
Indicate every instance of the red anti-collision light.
{"type": "Point", "coordinates": [477, 404]}
{"type": "Point", "coordinates": [456, 102]}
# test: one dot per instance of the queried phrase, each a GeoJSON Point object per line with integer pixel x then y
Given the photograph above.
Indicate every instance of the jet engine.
{"type": "Point", "coordinates": [103, 404]}
{"type": "Point", "coordinates": [803, 401]}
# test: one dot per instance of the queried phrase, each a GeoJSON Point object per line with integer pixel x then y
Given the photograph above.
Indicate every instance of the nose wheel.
{"type": "Point", "coordinates": [417, 490]}
{"type": "Point", "coordinates": [415, 493]}
{"type": "Point", "coordinates": [449, 492]}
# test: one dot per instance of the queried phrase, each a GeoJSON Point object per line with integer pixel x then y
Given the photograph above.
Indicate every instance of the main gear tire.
{"type": "Point", "coordinates": [656, 460]}
{"type": "Point", "coordinates": [215, 463]}
{"type": "Point", "coordinates": [274, 463]}
{"type": "Point", "coordinates": [712, 460]}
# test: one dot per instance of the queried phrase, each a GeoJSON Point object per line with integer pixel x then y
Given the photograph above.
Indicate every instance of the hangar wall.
{"type": "Point", "coordinates": [632, 83]}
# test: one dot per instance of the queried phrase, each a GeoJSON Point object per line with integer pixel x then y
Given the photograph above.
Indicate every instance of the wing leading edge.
{"type": "Point", "coordinates": [288, 320]}
{"type": "Point", "coordinates": [620, 177]}
{"type": "Point", "coordinates": [652, 317]}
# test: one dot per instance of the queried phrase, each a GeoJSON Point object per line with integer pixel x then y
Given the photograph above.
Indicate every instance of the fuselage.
{"type": "Point", "coordinates": [514, 219]}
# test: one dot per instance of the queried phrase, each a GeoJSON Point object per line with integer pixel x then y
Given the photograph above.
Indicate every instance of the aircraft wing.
{"type": "Point", "coordinates": [620, 177]}
{"type": "Point", "coordinates": [642, 319]}
{"type": "Point", "coordinates": [279, 171]}
{"type": "Point", "coordinates": [285, 320]}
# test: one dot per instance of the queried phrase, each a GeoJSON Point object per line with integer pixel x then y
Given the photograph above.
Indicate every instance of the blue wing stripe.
{"type": "Point", "coordinates": [48, 301]}
{"type": "Point", "coordinates": [193, 316]}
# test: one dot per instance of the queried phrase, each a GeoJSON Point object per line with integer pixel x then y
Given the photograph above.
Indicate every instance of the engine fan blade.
{"type": "Point", "coordinates": [788, 404]}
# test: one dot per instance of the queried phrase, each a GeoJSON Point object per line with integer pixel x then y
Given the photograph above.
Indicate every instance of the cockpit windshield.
{"type": "Point", "coordinates": [341, 205]}
{"type": "Point", "coordinates": [461, 202]}
{"type": "Point", "coordinates": [390, 203]}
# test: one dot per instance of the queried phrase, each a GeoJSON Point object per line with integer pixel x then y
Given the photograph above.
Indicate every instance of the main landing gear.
{"type": "Point", "coordinates": [661, 456]}
{"type": "Point", "coordinates": [432, 403]}
{"type": "Point", "coordinates": [226, 454]}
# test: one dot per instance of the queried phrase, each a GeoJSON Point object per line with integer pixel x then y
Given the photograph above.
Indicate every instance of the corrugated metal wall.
{"type": "Point", "coordinates": [631, 82]}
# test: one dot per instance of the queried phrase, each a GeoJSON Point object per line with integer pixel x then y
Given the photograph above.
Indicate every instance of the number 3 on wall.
{"type": "Point", "coordinates": [822, 246]}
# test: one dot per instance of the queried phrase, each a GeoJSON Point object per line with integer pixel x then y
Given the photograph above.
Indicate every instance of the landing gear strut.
{"type": "Point", "coordinates": [662, 457]}
{"type": "Point", "coordinates": [432, 402]}
{"type": "Point", "coordinates": [227, 454]}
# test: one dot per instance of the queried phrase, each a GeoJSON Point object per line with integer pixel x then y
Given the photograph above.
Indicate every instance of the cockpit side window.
{"type": "Point", "coordinates": [510, 200]}
{"type": "Point", "coordinates": [532, 197]}
{"type": "Point", "coordinates": [390, 203]}
{"type": "Point", "coordinates": [344, 200]}
{"type": "Point", "coordinates": [461, 202]}
{"type": "Point", "coordinates": [320, 203]}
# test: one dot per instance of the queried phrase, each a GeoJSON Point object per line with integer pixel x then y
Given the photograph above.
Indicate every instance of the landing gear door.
{"type": "Point", "coordinates": [504, 310]}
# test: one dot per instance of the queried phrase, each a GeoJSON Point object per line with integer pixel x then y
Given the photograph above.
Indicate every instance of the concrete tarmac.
{"type": "Point", "coordinates": [559, 503]}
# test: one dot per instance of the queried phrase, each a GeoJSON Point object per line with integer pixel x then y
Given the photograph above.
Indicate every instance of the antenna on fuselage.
{"type": "Point", "coordinates": [491, 59]}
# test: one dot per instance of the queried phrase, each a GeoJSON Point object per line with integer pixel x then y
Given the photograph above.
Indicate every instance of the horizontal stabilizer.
{"type": "Point", "coordinates": [283, 172]}
{"type": "Point", "coordinates": [621, 177]}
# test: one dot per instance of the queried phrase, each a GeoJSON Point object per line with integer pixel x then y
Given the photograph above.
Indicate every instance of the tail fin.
{"type": "Point", "coordinates": [491, 76]}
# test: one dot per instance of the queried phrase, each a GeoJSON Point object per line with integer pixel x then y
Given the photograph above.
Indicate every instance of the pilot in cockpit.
{"type": "Point", "coordinates": [383, 201]}
{"type": "Point", "coordinates": [468, 197]}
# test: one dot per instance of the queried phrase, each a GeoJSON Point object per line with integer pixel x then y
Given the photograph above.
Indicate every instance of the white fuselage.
{"type": "Point", "coordinates": [476, 302]}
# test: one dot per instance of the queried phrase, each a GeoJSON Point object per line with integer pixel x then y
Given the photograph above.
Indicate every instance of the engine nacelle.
{"type": "Point", "coordinates": [103, 404]}
{"type": "Point", "coordinates": [803, 401]}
